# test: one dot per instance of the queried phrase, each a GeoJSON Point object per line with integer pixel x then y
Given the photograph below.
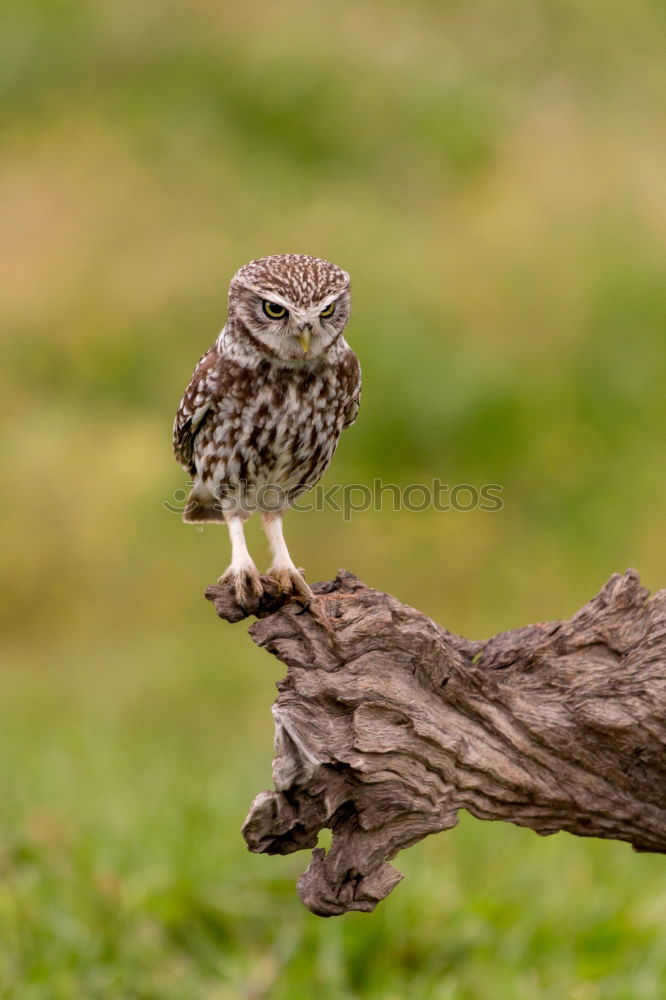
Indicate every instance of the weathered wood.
{"type": "Point", "coordinates": [386, 725]}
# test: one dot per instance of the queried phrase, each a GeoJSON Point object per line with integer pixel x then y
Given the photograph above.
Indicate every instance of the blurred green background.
{"type": "Point", "coordinates": [488, 172]}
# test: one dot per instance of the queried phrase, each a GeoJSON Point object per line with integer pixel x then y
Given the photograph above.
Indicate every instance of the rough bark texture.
{"type": "Point", "coordinates": [386, 725]}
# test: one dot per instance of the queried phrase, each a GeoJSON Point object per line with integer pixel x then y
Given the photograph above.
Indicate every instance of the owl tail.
{"type": "Point", "coordinates": [202, 507]}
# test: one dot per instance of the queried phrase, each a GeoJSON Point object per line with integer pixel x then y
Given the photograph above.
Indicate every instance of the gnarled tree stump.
{"type": "Point", "coordinates": [387, 724]}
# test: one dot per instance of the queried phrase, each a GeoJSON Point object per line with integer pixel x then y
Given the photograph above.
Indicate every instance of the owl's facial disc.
{"type": "Point", "coordinates": [285, 328]}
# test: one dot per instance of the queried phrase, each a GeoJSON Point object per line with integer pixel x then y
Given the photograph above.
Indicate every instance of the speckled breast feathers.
{"type": "Point", "coordinates": [261, 418]}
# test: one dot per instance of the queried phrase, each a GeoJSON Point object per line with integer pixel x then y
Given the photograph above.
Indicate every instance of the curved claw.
{"type": "Point", "coordinates": [291, 581]}
{"type": "Point", "coordinates": [246, 583]}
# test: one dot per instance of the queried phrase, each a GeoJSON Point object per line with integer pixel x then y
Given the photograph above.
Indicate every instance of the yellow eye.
{"type": "Point", "coordinates": [273, 310]}
{"type": "Point", "coordinates": [328, 311]}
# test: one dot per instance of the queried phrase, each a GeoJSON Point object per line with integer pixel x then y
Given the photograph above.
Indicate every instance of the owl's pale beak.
{"type": "Point", "coordinates": [304, 338]}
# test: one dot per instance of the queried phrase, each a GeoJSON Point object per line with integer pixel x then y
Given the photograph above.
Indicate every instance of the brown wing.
{"type": "Point", "coordinates": [352, 375]}
{"type": "Point", "coordinates": [194, 407]}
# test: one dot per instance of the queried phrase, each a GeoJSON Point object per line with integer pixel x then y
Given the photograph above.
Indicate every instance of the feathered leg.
{"type": "Point", "coordinates": [242, 572]}
{"type": "Point", "coordinates": [289, 579]}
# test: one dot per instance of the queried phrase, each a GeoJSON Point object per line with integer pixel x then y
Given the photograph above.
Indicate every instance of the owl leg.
{"type": "Point", "coordinates": [289, 579]}
{"type": "Point", "coordinates": [242, 572]}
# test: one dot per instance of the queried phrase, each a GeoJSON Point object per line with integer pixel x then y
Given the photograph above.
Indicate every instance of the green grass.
{"type": "Point", "coordinates": [130, 757]}
{"type": "Point", "coordinates": [489, 175]}
{"type": "Point", "coordinates": [124, 873]}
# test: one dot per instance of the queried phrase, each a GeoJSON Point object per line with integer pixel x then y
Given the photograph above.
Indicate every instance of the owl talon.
{"type": "Point", "coordinates": [246, 585]}
{"type": "Point", "coordinates": [291, 581]}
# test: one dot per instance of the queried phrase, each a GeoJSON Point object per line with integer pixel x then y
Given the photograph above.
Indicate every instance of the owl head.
{"type": "Point", "coordinates": [291, 307]}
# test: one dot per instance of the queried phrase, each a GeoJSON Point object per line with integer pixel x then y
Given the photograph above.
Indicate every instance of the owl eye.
{"type": "Point", "coordinates": [328, 311]}
{"type": "Point", "coordinates": [273, 310]}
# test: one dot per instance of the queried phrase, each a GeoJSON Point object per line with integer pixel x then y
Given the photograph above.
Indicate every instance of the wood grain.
{"type": "Point", "coordinates": [386, 725]}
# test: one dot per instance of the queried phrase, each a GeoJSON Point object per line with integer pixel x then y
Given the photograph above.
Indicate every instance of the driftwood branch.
{"type": "Point", "coordinates": [387, 724]}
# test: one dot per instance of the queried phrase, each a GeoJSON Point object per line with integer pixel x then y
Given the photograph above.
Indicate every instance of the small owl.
{"type": "Point", "coordinates": [265, 407]}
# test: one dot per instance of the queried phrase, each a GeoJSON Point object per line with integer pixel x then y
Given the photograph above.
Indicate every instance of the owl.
{"type": "Point", "coordinates": [260, 420]}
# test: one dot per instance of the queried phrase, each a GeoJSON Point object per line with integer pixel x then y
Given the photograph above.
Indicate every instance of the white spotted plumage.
{"type": "Point", "coordinates": [262, 415]}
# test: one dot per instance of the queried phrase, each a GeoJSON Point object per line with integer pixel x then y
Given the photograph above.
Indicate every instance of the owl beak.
{"type": "Point", "coordinates": [304, 338]}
